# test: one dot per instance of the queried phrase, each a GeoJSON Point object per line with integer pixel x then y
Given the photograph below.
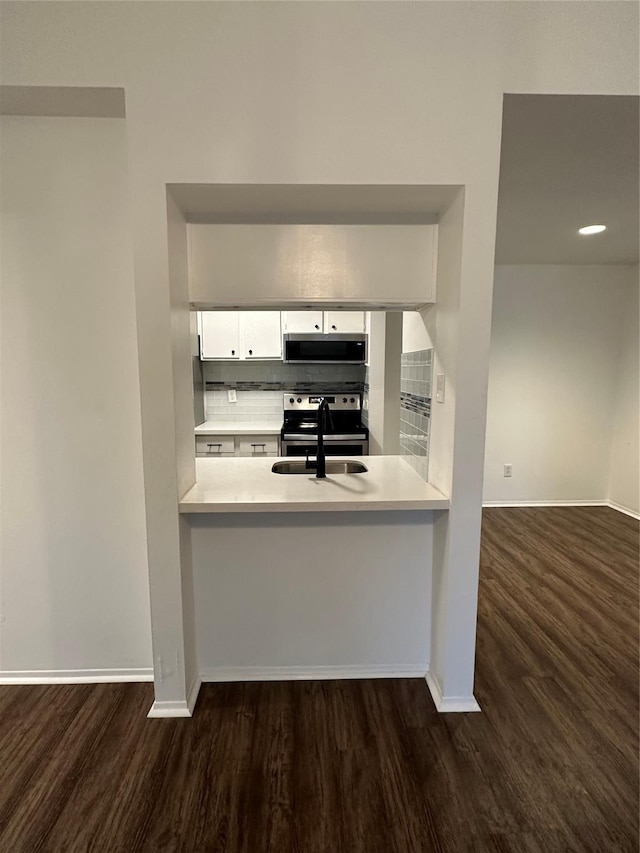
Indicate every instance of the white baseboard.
{"type": "Point", "coordinates": [625, 510]}
{"type": "Point", "coordinates": [310, 673]}
{"type": "Point", "coordinates": [610, 504]}
{"type": "Point", "coordinates": [75, 676]}
{"type": "Point", "coordinates": [543, 503]}
{"type": "Point", "coordinates": [179, 708]}
{"type": "Point", "coordinates": [169, 709]}
{"type": "Point", "coordinates": [449, 704]}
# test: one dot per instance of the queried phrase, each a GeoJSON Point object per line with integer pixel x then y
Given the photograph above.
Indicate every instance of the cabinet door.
{"type": "Point", "coordinates": [257, 445]}
{"type": "Point", "coordinates": [220, 334]}
{"type": "Point", "coordinates": [343, 321]}
{"type": "Point", "coordinates": [215, 445]}
{"type": "Point", "coordinates": [261, 334]}
{"type": "Point", "coordinates": [302, 322]}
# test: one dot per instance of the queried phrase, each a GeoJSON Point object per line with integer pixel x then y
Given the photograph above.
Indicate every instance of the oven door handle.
{"type": "Point", "coordinates": [313, 438]}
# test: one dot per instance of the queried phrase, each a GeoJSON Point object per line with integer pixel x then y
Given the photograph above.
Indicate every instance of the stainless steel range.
{"type": "Point", "coordinates": [345, 434]}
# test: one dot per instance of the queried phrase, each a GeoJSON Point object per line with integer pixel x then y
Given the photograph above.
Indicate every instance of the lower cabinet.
{"type": "Point", "coordinates": [215, 445]}
{"type": "Point", "coordinates": [257, 445]}
{"type": "Point", "coordinates": [237, 445]}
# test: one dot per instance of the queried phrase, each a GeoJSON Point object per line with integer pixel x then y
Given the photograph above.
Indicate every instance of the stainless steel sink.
{"type": "Point", "coordinates": [334, 466]}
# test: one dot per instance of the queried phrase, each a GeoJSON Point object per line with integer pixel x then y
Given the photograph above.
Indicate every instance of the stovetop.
{"type": "Point", "coordinates": [300, 413]}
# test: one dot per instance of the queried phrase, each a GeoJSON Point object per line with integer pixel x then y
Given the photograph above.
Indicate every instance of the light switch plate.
{"type": "Point", "coordinates": [232, 396]}
{"type": "Point", "coordinates": [440, 387]}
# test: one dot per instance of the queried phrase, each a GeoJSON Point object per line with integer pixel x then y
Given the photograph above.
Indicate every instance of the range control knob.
{"type": "Point", "coordinates": [291, 400]}
{"type": "Point", "coordinates": [299, 399]}
{"type": "Point", "coordinates": [344, 399]}
{"type": "Point", "coordinates": [353, 399]}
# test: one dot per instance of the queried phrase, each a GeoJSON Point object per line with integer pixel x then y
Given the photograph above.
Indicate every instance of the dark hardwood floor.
{"type": "Point", "coordinates": [316, 767]}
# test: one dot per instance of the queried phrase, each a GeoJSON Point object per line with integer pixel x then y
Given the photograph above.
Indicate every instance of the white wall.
{"type": "Point", "coordinates": [415, 335]}
{"type": "Point", "coordinates": [624, 471]}
{"type": "Point", "coordinates": [455, 457]}
{"type": "Point", "coordinates": [319, 93]}
{"type": "Point", "coordinates": [383, 399]}
{"type": "Point", "coordinates": [555, 350]}
{"type": "Point", "coordinates": [74, 585]}
{"type": "Point", "coordinates": [349, 591]}
{"type": "Point", "coordinates": [184, 422]}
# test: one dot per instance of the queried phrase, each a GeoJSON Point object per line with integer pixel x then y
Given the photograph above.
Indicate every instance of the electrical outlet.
{"type": "Point", "coordinates": [506, 469]}
{"type": "Point", "coordinates": [232, 396]}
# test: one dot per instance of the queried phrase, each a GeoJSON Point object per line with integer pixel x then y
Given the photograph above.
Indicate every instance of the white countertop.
{"type": "Point", "coordinates": [247, 484]}
{"type": "Point", "coordinates": [239, 428]}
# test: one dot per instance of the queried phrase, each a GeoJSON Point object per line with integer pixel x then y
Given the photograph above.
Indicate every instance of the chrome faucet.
{"type": "Point", "coordinates": [324, 417]}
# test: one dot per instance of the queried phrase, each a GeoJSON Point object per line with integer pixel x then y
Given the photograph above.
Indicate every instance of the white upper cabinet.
{"type": "Point", "coordinates": [261, 334]}
{"type": "Point", "coordinates": [240, 335]}
{"type": "Point", "coordinates": [302, 322]}
{"type": "Point", "coordinates": [322, 322]}
{"type": "Point", "coordinates": [343, 321]}
{"type": "Point", "coordinates": [220, 333]}
{"type": "Point", "coordinates": [315, 265]}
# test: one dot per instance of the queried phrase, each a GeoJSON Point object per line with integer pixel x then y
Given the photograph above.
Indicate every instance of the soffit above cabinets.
{"type": "Point", "coordinates": [355, 204]}
{"type": "Point", "coordinates": [62, 101]}
{"type": "Point", "coordinates": [311, 266]}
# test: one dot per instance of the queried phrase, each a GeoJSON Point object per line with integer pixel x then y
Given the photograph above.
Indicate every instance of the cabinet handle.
{"type": "Point", "coordinates": [250, 352]}
{"type": "Point", "coordinates": [333, 327]}
{"type": "Point", "coordinates": [233, 352]}
{"type": "Point", "coordinates": [259, 445]}
{"type": "Point", "coordinates": [214, 445]}
{"type": "Point", "coordinates": [317, 326]}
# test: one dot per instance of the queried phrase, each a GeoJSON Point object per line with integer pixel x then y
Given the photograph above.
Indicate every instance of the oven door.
{"type": "Point", "coordinates": [332, 447]}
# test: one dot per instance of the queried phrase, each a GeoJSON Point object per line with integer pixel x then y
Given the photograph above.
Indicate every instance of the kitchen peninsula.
{"type": "Point", "coordinates": [296, 576]}
{"type": "Point", "coordinates": [249, 485]}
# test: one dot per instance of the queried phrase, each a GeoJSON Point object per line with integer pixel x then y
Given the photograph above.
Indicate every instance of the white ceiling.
{"type": "Point", "coordinates": [568, 161]}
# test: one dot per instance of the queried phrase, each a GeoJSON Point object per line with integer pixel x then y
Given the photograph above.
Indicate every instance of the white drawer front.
{"type": "Point", "coordinates": [258, 445]}
{"type": "Point", "coordinates": [214, 445]}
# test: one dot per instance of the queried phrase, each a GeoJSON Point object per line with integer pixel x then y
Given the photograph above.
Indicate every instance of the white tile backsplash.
{"type": "Point", "coordinates": [257, 402]}
{"type": "Point", "coordinates": [250, 405]}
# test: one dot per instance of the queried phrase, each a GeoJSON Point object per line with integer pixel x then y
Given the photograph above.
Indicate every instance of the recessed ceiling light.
{"type": "Point", "coordinates": [592, 229]}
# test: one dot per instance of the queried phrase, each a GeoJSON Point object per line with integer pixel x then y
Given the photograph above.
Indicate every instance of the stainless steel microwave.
{"type": "Point", "coordinates": [325, 349]}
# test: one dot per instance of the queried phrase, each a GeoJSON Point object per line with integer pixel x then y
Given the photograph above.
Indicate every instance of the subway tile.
{"type": "Point", "coordinates": [415, 405]}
